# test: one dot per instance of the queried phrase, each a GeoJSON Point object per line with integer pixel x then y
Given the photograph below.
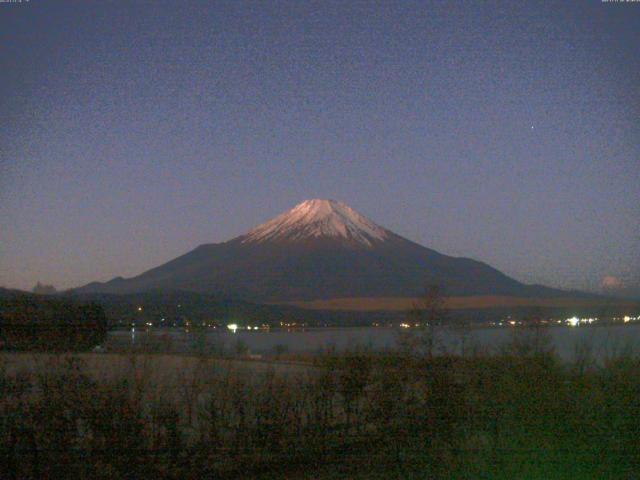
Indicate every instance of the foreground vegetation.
{"type": "Point", "coordinates": [520, 414]}
{"type": "Point", "coordinates": [419, 412]}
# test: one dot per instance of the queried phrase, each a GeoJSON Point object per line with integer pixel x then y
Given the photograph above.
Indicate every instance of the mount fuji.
{"type": "Point", "coordinates": [320, 249]}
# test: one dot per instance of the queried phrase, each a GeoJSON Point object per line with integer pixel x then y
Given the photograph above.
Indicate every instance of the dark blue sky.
{"type": "Point", "coordinates": [134, 131]}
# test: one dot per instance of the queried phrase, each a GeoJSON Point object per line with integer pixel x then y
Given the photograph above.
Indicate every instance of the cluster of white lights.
{"type": "Point", "coordinates": [572, 321]}
{"type": "Point", "coordinates": [234, 327]}
{"type": "Point", "coordinates": [575, 321]}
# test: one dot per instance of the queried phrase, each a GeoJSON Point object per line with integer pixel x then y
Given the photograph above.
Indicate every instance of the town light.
{"type": "Point", "coordinates": [573, 321]}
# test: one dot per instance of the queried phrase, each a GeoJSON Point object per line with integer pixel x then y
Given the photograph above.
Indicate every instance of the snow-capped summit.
{"type": "Point", "coordinates": [319, 218]}
{"type": "Point", "coordinates": [320, 249]}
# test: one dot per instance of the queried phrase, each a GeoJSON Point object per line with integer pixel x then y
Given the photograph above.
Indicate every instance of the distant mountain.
{"type": "Point", "coordinates": [11, 292]}
{"type": "Point", "coordinates": [320, 249]}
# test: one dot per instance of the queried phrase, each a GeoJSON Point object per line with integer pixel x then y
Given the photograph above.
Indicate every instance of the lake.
{"type": "Point", "coordinates": [603, 341]}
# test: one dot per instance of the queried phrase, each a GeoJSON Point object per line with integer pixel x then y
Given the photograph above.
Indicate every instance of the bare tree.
{"type": "Point", "coordinates": [423, 319]}
{"type": "Point", "coordinates": [532, 336]}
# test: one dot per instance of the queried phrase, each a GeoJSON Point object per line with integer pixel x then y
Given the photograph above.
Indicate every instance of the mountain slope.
{"type": "Point", "coordinates": [320, 249]}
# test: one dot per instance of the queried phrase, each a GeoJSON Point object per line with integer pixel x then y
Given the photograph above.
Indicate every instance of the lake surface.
{"type": "Point", "coordinates": [602, 341]}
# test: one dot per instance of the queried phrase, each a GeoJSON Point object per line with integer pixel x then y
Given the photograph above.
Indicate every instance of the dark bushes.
{"type": "Point", "coordinates": [33, 322]}
{"type": "Point", "coordinates": [354, 416]}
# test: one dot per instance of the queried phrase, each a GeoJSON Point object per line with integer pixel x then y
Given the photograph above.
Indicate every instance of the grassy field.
{"type": "Point", "coordinates": [480, 301]}
{"type": "Point", "coordinates": [160, 369]}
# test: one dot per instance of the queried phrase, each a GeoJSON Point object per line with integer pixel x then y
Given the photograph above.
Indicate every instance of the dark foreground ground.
{"type": "Point", "coordinates": [518, 415]}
